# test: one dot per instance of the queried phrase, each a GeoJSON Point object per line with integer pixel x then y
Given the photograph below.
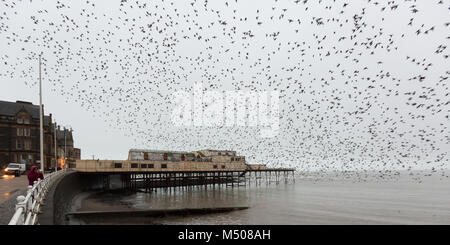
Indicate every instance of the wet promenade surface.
{"type": "Point", "coordinates": [10, 188]}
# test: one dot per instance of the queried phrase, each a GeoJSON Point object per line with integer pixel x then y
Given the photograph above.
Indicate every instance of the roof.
{"type": "Point", "coordinates": [60, 134]}
{"type": "Point", "coordinates": [8, 108]}
{"type": "Point", "coordinates": [217, 150]}
{"type": "Point", "coordinates": [158, 151]}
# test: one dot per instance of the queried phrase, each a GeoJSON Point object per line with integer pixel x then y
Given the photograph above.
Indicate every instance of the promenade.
{"type": "Point", "coordinates": [10, 188]}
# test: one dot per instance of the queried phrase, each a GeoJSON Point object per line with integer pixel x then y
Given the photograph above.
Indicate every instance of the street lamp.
{"type": "Point", "coordinates": [41, 116]}
{"type": "Point", "coordinates": [56, 153]}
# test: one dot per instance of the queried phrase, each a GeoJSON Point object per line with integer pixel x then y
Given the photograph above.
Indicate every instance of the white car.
{"type": "Point", "coordinates": [15, 168]}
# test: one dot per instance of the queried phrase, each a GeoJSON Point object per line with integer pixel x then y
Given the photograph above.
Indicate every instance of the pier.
{"type": "Point", "coordinates": [148, 181]}
{"type": "Point", "coordinates": [149, 169]}
{"type": "Point", "coordinates": [143, 171]}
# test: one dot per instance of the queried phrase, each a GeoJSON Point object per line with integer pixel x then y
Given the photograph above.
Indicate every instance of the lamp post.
{"type": "Point", "coordinates": [64, 147]}
{"type": "Point", "coordinates": [41, 116]}
{"type": "Point", "coordinates": [56, 154]}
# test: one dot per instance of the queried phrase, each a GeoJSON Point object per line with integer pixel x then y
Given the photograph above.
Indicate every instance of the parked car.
{"type": "Point", "coordinates": [15, 168]}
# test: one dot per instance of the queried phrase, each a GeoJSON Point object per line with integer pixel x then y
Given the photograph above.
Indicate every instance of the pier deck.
{"type": "Point", "coordinates": [147, 181]}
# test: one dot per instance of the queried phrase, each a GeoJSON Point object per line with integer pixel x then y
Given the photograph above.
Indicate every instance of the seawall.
{"type": "Point", "coordinates": [60, 197]}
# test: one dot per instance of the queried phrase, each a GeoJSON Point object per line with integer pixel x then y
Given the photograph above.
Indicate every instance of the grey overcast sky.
{"type": "Point", "coordinates": [363, 84]}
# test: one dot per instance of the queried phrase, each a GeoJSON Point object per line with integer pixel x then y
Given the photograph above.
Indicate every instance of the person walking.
{"type": "Point", "coordinates": [34, 175]}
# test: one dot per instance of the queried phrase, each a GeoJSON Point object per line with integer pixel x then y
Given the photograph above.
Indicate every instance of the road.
{"type": "Point", "coordinates": [10, 188]}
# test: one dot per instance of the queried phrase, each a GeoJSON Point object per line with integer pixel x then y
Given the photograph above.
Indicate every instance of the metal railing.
{"type": "Point", "coordinates": [28, 207]}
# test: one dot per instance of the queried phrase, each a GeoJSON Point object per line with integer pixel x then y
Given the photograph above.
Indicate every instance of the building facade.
{"type": "Point", "coordinates": [66, 149]}
{"type": "Point", "coordinates": [168, 161]}
{"type": "Point", "coordinates": [20, 135]}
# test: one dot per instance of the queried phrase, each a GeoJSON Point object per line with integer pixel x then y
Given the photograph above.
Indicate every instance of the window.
{"type": "Point", "coordinates": [19, 144]}
{"type": "Point", "coordinates": [117, 165]}
{"type": "Point", "coordinates": [26, 121]}
{"type": "Point", "coordinates": [165, 156]}
{"type": "Point", "coordinates": [27, 145]}
{"type": "Point", "coordinates": [145, 156]}
{"type": "Point", "coordinates": [134, 165]}
{"type": "Point", "coordinates": [19, 131]}
{"type": "Point", "coordinates": [151, 166]}
{"type": "Point", "coordinates": [19, 120]}
{"type": "Point", "coordinates": [215, 166]}
{"type": "Point", "coordinates": [182, 157]}
{"type": "Point", "coordinates": [163, 165]}
{"type": "Point", "coordinates": [223, 166]}
{"type": "Point", "coordinates": [27, 132]}
{"type": "Point", "coordinates": [143, 165]}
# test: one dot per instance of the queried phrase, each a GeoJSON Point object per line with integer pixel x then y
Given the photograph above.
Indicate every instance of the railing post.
{"type": "Point", "coordinates": [21, 204]}
{"type": "Point", "coordinates": [28, 207]}
{"type": "Point", "coordinates": [29, 190]}
{"type": "Point", "coordinates": [40, 190]}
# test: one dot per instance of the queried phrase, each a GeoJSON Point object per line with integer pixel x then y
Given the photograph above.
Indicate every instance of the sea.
{"type": "Point", "coordinates": [312, 198]}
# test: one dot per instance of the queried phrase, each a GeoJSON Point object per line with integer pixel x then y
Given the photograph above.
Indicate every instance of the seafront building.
{"type": "Point", "coordinates": [20, 137]}
{"type": "Point", "coordinates": [67, 153]}
{"type": "Point", "coordinates": [140, 160]}
{"type": "Point", "coordinates": [148, 169]}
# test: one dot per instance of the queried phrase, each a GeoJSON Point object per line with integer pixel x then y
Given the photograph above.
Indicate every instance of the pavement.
{"type": "Point", "coordinates": [10, 188]}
